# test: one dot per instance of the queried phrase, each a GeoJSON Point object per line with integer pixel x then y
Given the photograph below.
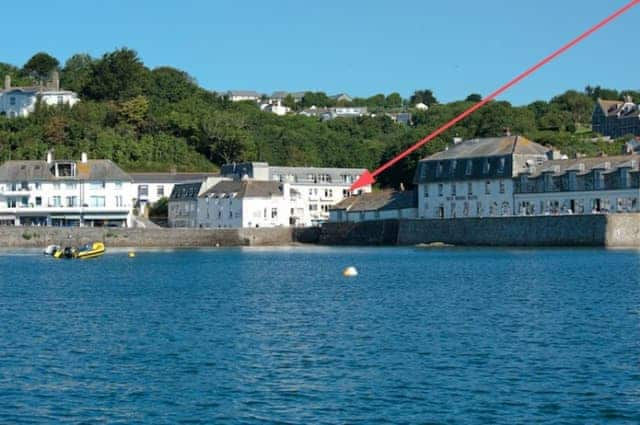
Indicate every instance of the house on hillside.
{"type": "Point", "coordinates": [243, 95]}
{"type": "Point", "coordinates": [342, 97]}
{"type": "Point", "coordinates": [616, 118]}
{"type": "Point", "coordinates": [21, 101]}
{"type": "Point", "coordinates": [280, 96]}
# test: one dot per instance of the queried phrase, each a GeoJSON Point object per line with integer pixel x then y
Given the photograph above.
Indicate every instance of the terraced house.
{"type": "Point", "coordinates": [475, 178]}
{"type": "Point", "coordinates": [580, 186]}
{"type": "Point", "coordinates": [65, 193]}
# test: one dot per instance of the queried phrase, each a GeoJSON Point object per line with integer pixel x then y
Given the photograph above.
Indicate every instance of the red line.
{"type": "Point", "coordinates": [506, 87]}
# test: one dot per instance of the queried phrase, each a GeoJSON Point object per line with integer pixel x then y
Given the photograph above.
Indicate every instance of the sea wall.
{"type": "Point", "coordinates": [38, 237]}
{"type": "Point", "coordinates": [619, 230]}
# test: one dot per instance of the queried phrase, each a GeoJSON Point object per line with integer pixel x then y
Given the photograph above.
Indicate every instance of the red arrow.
{"type": "Point", "coordinates": [368, 177]}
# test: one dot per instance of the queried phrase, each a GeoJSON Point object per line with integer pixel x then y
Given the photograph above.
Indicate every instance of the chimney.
{"type": "Point", "coordinates": [507, 132]}
{"type": "Point", "coordinates": [7, 82]}
{"type": "Point", "coordinates": [50, 156]}
{"type": "Point", "coordinates": [55, 80]}
{"type": "Point", "coordinates": [83, 157]}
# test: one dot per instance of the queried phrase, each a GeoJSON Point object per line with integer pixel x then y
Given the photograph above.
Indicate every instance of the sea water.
{"type": "Point", "coordinates": [280, 336]}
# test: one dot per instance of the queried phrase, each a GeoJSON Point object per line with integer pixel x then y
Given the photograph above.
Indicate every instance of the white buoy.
{"type": "Point", "coordinates": [132, 254]}
{"type": "Point", "coordinates": [350, 272]}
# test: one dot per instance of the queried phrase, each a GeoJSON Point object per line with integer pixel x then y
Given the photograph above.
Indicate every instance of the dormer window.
{"type": "Point", "coordinates": [64, 169]}
{"type": "Point", "coordinates": [486, 166]}
{"type": "Point", "coordinates": [573, 181]}
{"type": "Point", "coordinates": [598, 179]}
{"type": "Point", "coordinates": [439, 169]}
{"type": "Point", "coordinates": [469, 168]}
{"type": "Point", "coordinates": [452, 167]}
{"type": "Point", "coordinates": [501, 165]}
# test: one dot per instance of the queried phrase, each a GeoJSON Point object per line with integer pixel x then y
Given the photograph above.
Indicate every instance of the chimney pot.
{"type": "Point", "coordinates": [83, 157]}
{"type": "Point", "coordinates": [49, 156]}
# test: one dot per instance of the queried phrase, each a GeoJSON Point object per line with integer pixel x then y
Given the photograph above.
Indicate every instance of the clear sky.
{"type": "Point", "coordinates": [361, 47]}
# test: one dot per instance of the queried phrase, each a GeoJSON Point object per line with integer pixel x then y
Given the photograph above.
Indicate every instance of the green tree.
{"type": "Point", "coordinates": [171, 85]}
{"type": "Point", "coordinates": [394, 100]}
{"type": "Point", "coordinates": [76, 73]}
{"type": "Point", "coordinates": [119, 75]}
{"type": "Point", "coordinates": [223, 136]}
{"type": "Point", "coordinates": [134, 111]}
{"type": "Point", "coordinates": [474, 97]}
{"type": "Point", "coordinates": [289, 102]}
{"type": "Point", "coordinates": [40, 66]}
{"type": "Point", "coordinates": [423, 96]}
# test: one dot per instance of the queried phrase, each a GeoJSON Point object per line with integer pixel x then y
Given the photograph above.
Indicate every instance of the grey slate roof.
{"type": "Point", "coordinates": [492, 146]}
{"type": "Point", "coordinates": [246, 189]}
{"type": "Point", "coordinates": [615, 108]}
{"type": "Point", "coordinates": [245, 93]}
{"type": "Point", "coordinates": [586, 165]}
{"type": "Point", "coordinates": [100, 169]}
{"type": "Point", "coordinates": [169, 177]}
{"type": "Point", "coordinates": [379, 201]}
{"type": "Point", "coordinates": [185, 192]}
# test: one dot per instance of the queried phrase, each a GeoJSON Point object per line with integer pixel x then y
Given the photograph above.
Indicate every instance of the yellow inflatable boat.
{"type": "Point", "coordinates": [90, 250]}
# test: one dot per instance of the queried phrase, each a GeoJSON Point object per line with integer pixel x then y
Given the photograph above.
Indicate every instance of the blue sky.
{"type": "Point", "coordinates": [358, 47]}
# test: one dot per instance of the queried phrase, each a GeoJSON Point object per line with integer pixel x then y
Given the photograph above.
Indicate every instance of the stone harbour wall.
{"type": "Point", "coordinates": [619, 230]}
{"type": "Point", "coordinates": [40, 237]}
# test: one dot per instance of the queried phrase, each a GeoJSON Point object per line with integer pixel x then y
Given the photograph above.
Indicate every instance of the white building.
{"type": "Point", "coordinates": [243, 95]}
{"type": "Point", "coordinates": [248, 203]}
{"type": "Point", "coordinates": [380, 205]}
{"type": "Point", "coordinates": [275, 108]}
{"type": "Point", "coordinates": [475, 178]}
{"type": "Point", "coordinates": [319, 188]}
{"type": "Point", "coordinates": [149, 188]}
{"type": "Point", "coordinates": [64, 193]}
{"type": "Point", "coordinates": [580, 186]}
{"type": "Point", "coordinates": [21, 101]}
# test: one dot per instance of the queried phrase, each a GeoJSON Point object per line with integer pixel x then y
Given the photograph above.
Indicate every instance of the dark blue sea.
{"type": "Point", "coordinates": [244, 336]}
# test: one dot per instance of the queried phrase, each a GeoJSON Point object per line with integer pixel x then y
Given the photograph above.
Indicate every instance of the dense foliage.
{"type": "Point", "coordinates": [161, 119]}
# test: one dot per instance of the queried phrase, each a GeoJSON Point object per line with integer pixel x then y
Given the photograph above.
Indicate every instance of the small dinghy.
{"type": "Point", "coordinates": [90, 250]}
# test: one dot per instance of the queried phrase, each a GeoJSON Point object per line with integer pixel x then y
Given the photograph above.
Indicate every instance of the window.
{"type": "Point", "coordinates": [453, 189]}
{"type": "Point", "coordinates": [38, 185]}
{"type": "Point", "coordinates": [11, 203]}
{"type": "Point", "coordinates": [487, 166]}
{"type": "Point", "coordinates": [328, 193]}
{"type": "Point", "coordinates": [38, 201]}
{"type": "Point", "coordinates": [60, 100]}
{"type": "Point", "coordinates": [440, 189]}
{"type": "Point", "coordinates": [470, 188]}
{"type": "Point", "coordinates": [160, 190]}
{"type": "Point", "coordinates": [72, 201]}
{"type": "Point", "coordinates": [143, 190]}
{"type": "Point", "coordinates": [487, 187]}
{"type": "Point", "coordinates": [452, 167]}
{"type": "Point", "coordinates": [96, 185]}
{"type": "Point", "coordinates": [119, 202]}
{"type": "Point", "coordinates": [439, 169]}
{"type": "Point", "coordinates": [12, 101]}
{"type": "Point", "coordinates": [426, 191]}
{"type": "Point", "coordinates": [469, 168]}
{"type": "Point", "coordinates": [56, 201]}
{"type": "Point", "coordinates": [501, 186]}
{"type": "Point", "coordinates": [274, 213]}
{"type": "Point", "coordinates": [501, 165]}
{"type": "Point", "coordinates": [313, 207]}
{"type": "Point", "coordinates": [96, 201]}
